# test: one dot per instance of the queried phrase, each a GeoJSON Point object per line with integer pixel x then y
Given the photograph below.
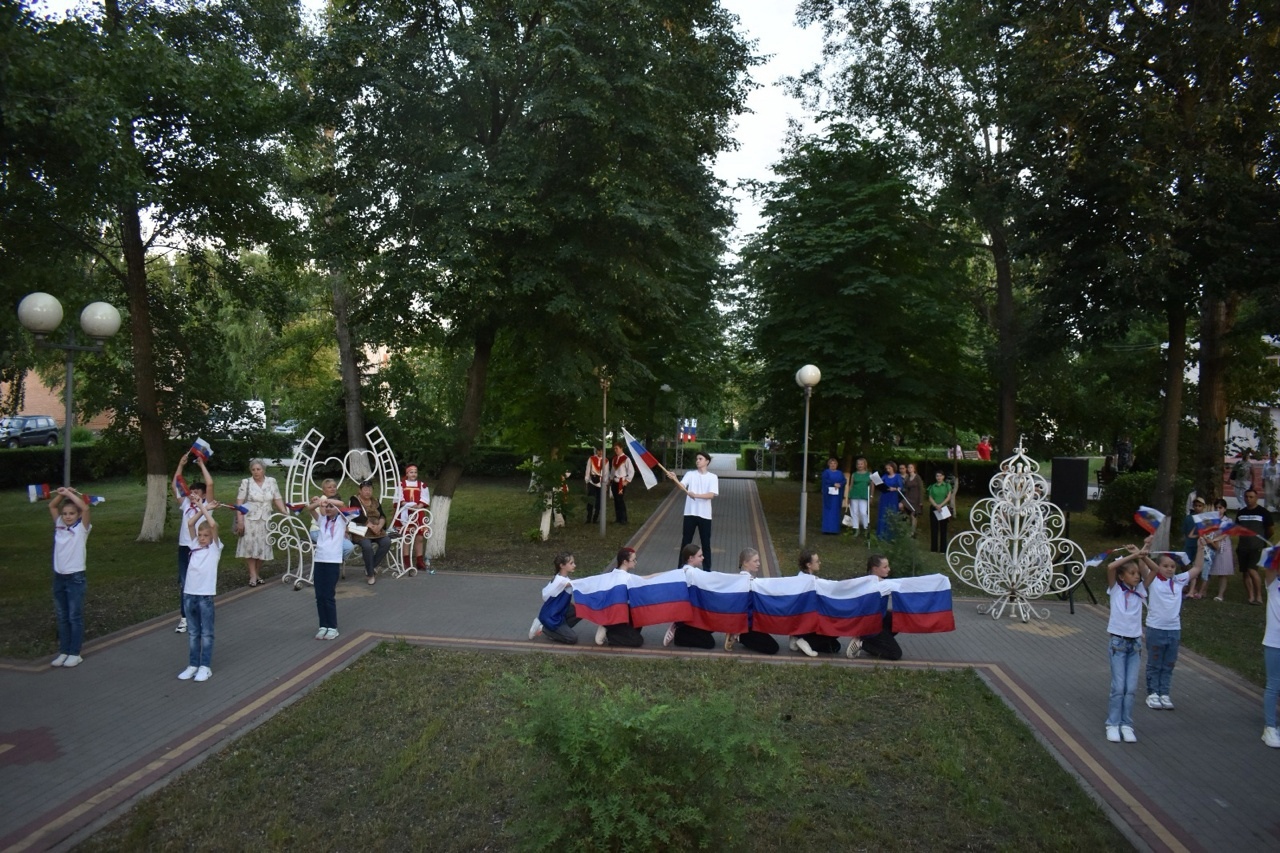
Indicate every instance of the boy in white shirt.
{"type": "Point", "coordinates": [200, 587]}
{"type": "Point", "coordinates": [70, 531]}
{"type": "Point", "coordinates": [700, 487]}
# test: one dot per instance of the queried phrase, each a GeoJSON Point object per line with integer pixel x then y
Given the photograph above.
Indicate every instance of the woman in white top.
{"type": "Point", "coordinates": [257, 492]}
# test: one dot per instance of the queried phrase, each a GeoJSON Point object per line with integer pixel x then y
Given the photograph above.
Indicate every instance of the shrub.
{"type": "Point", "coordinates": [630, 772]}
{"type": "Point", "coordinates": [1128, 492]}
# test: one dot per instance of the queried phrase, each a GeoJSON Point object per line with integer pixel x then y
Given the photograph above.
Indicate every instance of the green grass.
{"type": "Point", "coordinates": [410, 749]}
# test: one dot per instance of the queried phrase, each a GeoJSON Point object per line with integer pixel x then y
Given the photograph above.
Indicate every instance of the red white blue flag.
{"type": "Point", "coordinates": [719, 600]}
{"type": "Point", "coordinates": [1227, 527]}
{"type": "Point", "coordinates": [921, 605]}
{"type": "Point", "coordinates": [1207, 523]}
{"type": "Point", "coordinates": [663, 597]}
{"type": "Point", "coordinates": [201, 449]}
{"type": "Point", "coordinates": [1270, 559]}
{"type": "Point", "coordinates": [602, 599]}
{"type": "Point", "coordinates": [645, 461]}
{"type": "Point", "coordinates": [1148, 518]}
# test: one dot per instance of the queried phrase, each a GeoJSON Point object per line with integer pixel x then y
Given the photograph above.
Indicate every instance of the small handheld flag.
{"type": "Point", "coordinates": [1178, 556]}
{"type": "Point", "coordinates": [240, 508]}
{"type": "Point", "coordinates": [1097, 560]}
{"type": "Point", "coordinates": [1207, 523]}
{"type": "Point", "coordinates": [645, 461]}
{"type": "Point", "coordinates": [296, 507]}
{"type": "Point", "coordinates": [38, 492]}
{"type": "Point", "coordinates": [1229, 528]}
{"type": "Point", "coordinates": [1148, 518]}
{"type": "Point", "coordinates": [94, 500]}
{"type": "Point", "coordinates": [1270, 559]}
{"type": "Point", "coordinates": [201, 449]}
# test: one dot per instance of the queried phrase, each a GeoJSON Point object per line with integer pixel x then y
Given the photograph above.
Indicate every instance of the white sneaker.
{"type": "Point", "coordinates": [1166, 702]}
{"type": "Point", "coordinates": [600, 633]}
{"type": "Point", "coordinates": [535, 629]}
{"type": "Point", "coordinates": [1153, 701]}
{"type": "Point", "coordinates": [1127, 735]}
{"type": "Point", "coordinates": [855, 648]}
{"type": "Point", "coordinates": [1271, 737]}
{"type": "Point", "coordinates": [182, 626]}
{"type": "Point", "coordinates": [320, 634]}
{"type": "Point", "coordinates": [58, 661]}
{"type": "Point", "coordinates": [203, 673]}
{"type": "Point", "coordinates": [72, 660]}
{"type": "Point", "coordinates": [186, 674]}
{"type": "Point", "coordinates": [1113, 734]}
{"type": "Point", "coordinates": [729, 640]}
{"type": "Point", "coordinates": [794, 647]}
{"type": "Point", "coordinates": [803, 645]}
{"type": "Point", "coordinates": [669, 637]}
{"type": "Point", "coordinates": [331, 634]}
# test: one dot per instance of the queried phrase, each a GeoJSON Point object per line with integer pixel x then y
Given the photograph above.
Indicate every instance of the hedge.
{"type": "Point", "coordinates": [24, 466]}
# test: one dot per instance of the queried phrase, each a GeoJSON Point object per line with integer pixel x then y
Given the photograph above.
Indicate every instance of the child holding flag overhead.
{"type": "Point", "coordinates": [187, 495]}
{"type": "Point", "coordinates": [1165, 586]}
{"type": "Point", "coordinates": [556, 618]}
{"type": "Point", "coordinates": [1124, 586]}
{"type": "Point", "coordinates": [199, 589]}
{"type": "Point", "coordinates": [328, 561]}
{"type": "Point", "coordinates": [71, 528]}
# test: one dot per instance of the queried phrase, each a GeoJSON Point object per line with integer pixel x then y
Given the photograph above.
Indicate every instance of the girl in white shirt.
{"type": "Point", "coordinates": [1124, 585]}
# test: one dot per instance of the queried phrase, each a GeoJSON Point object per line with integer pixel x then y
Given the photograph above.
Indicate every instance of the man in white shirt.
{"type": "Point", "coordinates": [700, 488]}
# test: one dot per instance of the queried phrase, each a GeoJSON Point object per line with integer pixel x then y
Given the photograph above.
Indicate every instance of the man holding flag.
{"type": "Point", "coordinates": [700, 487]}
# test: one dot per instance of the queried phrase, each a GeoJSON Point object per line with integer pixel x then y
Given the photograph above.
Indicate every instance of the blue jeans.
{"type": "Point", "coordinates": [199, 612]}
{"type": "Point", "coordinates": [68, 606]}
{"type": "Point", "coordinates": [1162, 654]}
{"type": "Point", "coordinates": [325, 579]}
{"type": "Point", "coordinates": [184, 560]}
{"type": "Point", "coordinates": [1126, 657]}
{"type": "Point", "coordinates": [1271, 657]}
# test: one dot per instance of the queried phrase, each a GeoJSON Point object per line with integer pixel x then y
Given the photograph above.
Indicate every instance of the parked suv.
{"type": "Point", "coordinates": [24, 430]}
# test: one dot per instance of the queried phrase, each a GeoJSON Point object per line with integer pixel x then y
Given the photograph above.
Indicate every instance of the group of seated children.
{"type": "Point", "coordinates": [556, 619]}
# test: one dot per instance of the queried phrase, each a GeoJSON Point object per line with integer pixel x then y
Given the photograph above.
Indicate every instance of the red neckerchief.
{"type": "Point", "coordinates": [596, 463]}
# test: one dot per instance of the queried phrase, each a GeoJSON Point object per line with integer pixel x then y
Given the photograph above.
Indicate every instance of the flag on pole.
{"type": "Point", "coordinates": [645, 461]}
{"type": "Point", "coordinates": [1148, 518]}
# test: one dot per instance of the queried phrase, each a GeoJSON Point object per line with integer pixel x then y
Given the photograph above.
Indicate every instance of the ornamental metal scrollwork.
{"type": "Point", "coordinates": [1016, 551]}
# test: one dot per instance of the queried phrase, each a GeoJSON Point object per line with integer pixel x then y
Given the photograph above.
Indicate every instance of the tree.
{"type": "Point", "coordinates": [854, 275]}
{"type": "Point", "coordinates": [143, 158]}
{"type": "Point", "coordinates": [932, 80]}
{"type": "Point", "coordinates": [541, 166]}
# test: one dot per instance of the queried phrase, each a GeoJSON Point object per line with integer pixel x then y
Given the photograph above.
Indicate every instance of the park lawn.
{"type": "Point", "coordinates": [131, 581]}
{"type": "Point", "coordinates": [412, 749]}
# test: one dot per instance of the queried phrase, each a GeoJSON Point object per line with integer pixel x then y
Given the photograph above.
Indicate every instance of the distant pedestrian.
{"type": "Point", "coordinates": [1242, 475]}
{"type": "Point", "coordinates": [1271, 483]}
{"type": "Point", "coordinates": [942, 502]}
{"type": "Point", "coordinates": [71, 527]}
{"type": "Point", "coordinates": [890, 491]}
{"type": "Point", "coordinates": [1165, 587]}
{"type": "Point", "coordinates": [557, 617]}
{"type": "Point", "coordinates": [1257, 518]}
{"type": "Point", "coordinates": [700, 488]}
{"type": "Point", "coordinates": [984, 449]}
{"type": "Point", "coordinates": [1124, 586]}
{"type": "Point", "coordinates": [1124, 454]}
{"type": "Point", "coordinates": [912, 495]}
{"type": "Point", "coordinates": [859, 497]}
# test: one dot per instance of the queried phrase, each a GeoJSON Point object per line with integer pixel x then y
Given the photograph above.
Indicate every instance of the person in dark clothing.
{"type": "Point", "coordinates": [883, 645]}
{"type": "Point", "coordinates": [757, 641]}
{"type": "Point", "coordinates": [814, 643]}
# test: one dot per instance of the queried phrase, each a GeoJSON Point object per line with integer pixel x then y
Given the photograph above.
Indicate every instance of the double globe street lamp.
{"type": "Point", "coordinates": [806, 377]}
{"type": "Point", "coordinates": [41, 314]}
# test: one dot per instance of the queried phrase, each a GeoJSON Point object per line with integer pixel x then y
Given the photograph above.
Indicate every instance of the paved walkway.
{"type": "Point", "coordinates": [79, 746]}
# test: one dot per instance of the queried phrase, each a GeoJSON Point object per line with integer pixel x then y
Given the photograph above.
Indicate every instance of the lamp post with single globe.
{"type": "Point", "coordinates": [41, 314]}
{"type": "Point", "coordinates": [806, 377]}
{"type": "Point", "coordinates": [603, 374]}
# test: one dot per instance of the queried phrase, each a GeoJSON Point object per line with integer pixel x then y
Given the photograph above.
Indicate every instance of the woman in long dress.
{"type": "Point", "coordinates": [257, 492]}
{"type": "Point", "coordinates": [913, 494]}
{"type": "Point", "coordinates": [890, 489]}
{"type": "Point", "coordinates": [833, 496]}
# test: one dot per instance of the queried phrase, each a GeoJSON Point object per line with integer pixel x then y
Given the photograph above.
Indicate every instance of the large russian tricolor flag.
{"type": "Point", "coordinates": [602, 599]}
{"type": "Point", "coordinates": [663, 597]}
{"type": "Point", "coordinates": [645, 461]}
{"type": "Point", "coordinates": [785, 605]}
{"type": "Point", "coordinates": [921, 605]}
{"type": "Point", "coordinates": [719, 600]}
{"type": "Point", "coordinates": [850, 608]}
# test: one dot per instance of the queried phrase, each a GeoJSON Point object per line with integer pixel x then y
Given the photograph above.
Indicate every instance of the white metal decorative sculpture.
{"type": "Point", "coordinates": [1016, 550]}
{"type": "Point", "coordinates": [290, 534]}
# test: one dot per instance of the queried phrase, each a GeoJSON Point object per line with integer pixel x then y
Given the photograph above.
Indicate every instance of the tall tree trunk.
{"type": "Point", "coordinates": [1217, 317]}
{"type": "Point", "coordinates": [349, 365]}
{"type": "Point", "coordinates": [468, 429]}
{"type": "Point", "coordinates": [1171, 414]}
{"type": "Point", "coordinates": [144, 372]}
{"type": "Point", "coordinates": [1007, 343]}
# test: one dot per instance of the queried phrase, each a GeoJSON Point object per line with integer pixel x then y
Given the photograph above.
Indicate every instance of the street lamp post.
{"type": "Point", "coordinates": [806, 377]}
{"type": "Point", "coordinates": [41, 314]}
{"type": "Point", "coordinates": [604, 446]}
